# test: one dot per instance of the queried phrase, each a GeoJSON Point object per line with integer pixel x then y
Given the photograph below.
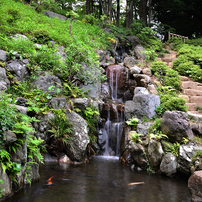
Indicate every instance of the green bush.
{"type": "Point", "coordinates": [179, 60]}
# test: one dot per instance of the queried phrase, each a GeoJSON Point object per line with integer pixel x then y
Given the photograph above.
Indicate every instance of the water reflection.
{"type": "Point", "coordinates": [102, 180]}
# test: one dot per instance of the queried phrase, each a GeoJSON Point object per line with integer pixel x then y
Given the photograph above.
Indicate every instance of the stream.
{"type": "Point", "coordinates": [103, 179]}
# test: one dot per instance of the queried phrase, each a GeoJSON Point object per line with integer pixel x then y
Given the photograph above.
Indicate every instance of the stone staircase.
{"type": "Point", "coordinates": [191, 90]}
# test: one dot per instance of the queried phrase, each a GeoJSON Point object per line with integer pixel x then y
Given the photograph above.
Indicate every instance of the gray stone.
{"type": "Point", "coordinates": [138, 154]}
{"type": "Point", "coordinates": [44, 82]}
{"type": "Point", "coordinates": [155, 153]}
{"type": "Point", "coordinates": [142, 80]}
{"type": "Point", "coordinates": [135, 70]}
{"type": "Point", "coordinates": [169, 164]}
{"type": "Point", "coordinates": [196, 129]}
{"type": "Point", "coordinates": [152, 89]}
{"type": "Point", "coordinates": [195, 186]}
{"type": "Point", "coordinates": [175, 124]}
{"type": "Point", "coordinates": [130, 62]}
{"type": "Point", "coordinates": [9, 137]}
{"type": "Point", "coordinates": [133, 41]}
{"type": "Point", "coordinates": [77, 150]}
{"type": "Point", "coordinates": [139, 49]}
{"type": "Point", "coordinates": [105, 92]}
{"type": "Point", "coordinates": [54, 15]}
{"type": "Point", "coordinates": [184, 158]}
{"type": "Point", "coordinates": [21, 109]}
{"type": "Point", "coordinates": [80, 103]}
{"type": "Point", "coordinates": [4, 82]}
{"type": "Point", "coordinates": [6, 187]}
{"type": "Point", "coordinates": [19, 37]}
{"type": "Point", "coordinates": [143, 128]}
{"type": "Point", "coordinates": [3, 56]}
{"type": "Point", "coordinates": [57, 103]}
{"type": "Point", "coordinates": [140, 90]}
{"type": "Point", "coordinates": [34, 174]}
{"type": "Point", "coordinates": [147, 71]}
{"type": "Point", "coordinates": [141, 106]}
{"type": "Point", "coordinates": [21, 101]}
{"type": "Point", "coordinates": [93, 90]}
{"type": "Point", "coordinates": [18, 69]}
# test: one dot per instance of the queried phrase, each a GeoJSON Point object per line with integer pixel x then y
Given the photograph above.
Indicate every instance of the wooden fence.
{"type": "Point", "coordinates": [175, 35]}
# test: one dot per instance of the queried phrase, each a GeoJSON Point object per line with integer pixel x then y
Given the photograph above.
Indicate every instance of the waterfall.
{"type": "Point", "coordinates": [111, 134]}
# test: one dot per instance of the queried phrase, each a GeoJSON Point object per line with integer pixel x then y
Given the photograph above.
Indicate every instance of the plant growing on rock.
{"type": "Point", "coordinates": [173, 149]}
{"type": "Point", "coordinates": [132, 122]}
{"type": "Point", "coordinates": [135, 137]}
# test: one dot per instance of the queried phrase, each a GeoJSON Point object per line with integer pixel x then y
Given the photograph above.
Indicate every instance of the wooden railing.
{"type": "Point", "coordinates": [175, 35]}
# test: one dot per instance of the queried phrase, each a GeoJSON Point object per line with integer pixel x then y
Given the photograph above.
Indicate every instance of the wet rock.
{"type": "Point", "coordinates": [118, 79]}
{"type": "Point", "coordinates": [124, 139]}
{"type": "Point", "coordinates": [142, 106]}
{"type": "Point", "coordinates": [195, 186]}
{"type": "Point", "coordinates": [21, 109]}
{"type": "Point", "coordinates": [18, 69]}
{"type": "Point", "coordinates": [53, 15]}
{"type": "Point", "coordinates": [140, 90]}
{"type": "Point", "coordinates": [130, 62]}
{"type": "Point", "coordinates": [48, 159]}
{"type": "Point", "coordinates": [138, 154]}
{"type": "Point", "coordinates": [155, 153]}
{"type": "Point", "coordinates": [80, 103]}
{"type": "Point", "coordinates": [3, 56]}
{"type": "Point", "coordinates": [44, 82]}
{"type": "Point", "coordinates": [105, 91]}
{"type": "Point", "coordinates": [175, 124]}
{"type": "Point", "coordinates": [9, 137]}
{"type": "Point", "coordinates": [77, 150]}
{"type": "Point", "coordinates": [139, 49]}
{"type": "Point", "coordinates": [127, 96]}
{"type": "Point", "coordinates": [64, 159]}
{"type": "Point", "coordinates": [34, 174]}
{"type": "Point", "coordinates": [6, 187]}
{"type": "Point", "coordinates": [169, 164]}
{"type": "Point", "coordinates": [57, 103]}
{"type": "Point", "coordinates": [143, 128]}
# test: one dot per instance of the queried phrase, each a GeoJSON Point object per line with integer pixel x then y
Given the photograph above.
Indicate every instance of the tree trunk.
{"type": "Point", "coordinates": [150, 11]}
{"type": "Point", "coordinates": [118, 14]}
{"type": "Point", "coordinates": [143, 10]}
{"type": "Point", "coordinates": [88, 7]}
{"type": "Point", "coordinates": [129, 14]}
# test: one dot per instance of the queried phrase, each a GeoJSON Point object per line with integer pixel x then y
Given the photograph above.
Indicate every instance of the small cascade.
{"type": "Point", "coordinates": [110, 134]}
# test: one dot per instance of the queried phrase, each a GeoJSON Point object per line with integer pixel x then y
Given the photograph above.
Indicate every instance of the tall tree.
{"type": "Point", "coordinates": [118, 14]}
{"type": "Point", "coordinates": [143, 10]}
{"type": "Point", "coordinates": [129, 14]}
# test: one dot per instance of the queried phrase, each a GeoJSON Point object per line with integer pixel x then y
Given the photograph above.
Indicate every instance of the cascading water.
{"type": "Point", "coordinates": [111, 133]}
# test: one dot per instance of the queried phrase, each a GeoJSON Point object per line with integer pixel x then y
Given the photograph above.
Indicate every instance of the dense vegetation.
{"type": "Point", "coordinates": [79, 37]}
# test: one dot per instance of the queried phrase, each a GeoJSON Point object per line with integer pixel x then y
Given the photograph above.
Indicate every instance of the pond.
{"type": "Point", "coordinates": [104, 179]}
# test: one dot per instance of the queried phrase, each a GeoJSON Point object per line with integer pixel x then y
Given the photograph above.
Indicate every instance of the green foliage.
{"type": "Point", "coordinates": [167, 76]}
{"type": "Point", "coordinates": [41, 36]}
{"type": "Point", "coordinates": [197, 156]}
{"type": "Point", "coordinates": [158, 136]}
{"type": "Point", "coordinates": [61, 127]}
{"type": "Point", "coordinates": [90, 19]}
{"type": "Point", "coordinates": [155, 128]}
{"type": "Point", "coordinates": [135, 137]}
{"type": "Point", "coordinates": [174, 149]}
{"type": "Point", "coordinates": [1, 190]}
{"type": "Point", "coordinates": [132, 122]}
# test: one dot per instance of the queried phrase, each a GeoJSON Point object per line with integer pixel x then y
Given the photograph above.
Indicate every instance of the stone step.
{"type": "Point", "coordinates": [199, 87]}
{"type": "Point", "coordinates": [189, 85]}
{"type": "Point", "coordinates": [172, 56]}
{"type": "Point", "coordinates": [186, 97]}
{"type": "Point", "coordinates": [167, 59]}
{"type": "Point", "coordinates": [193, 92]}
{"type": "Point", "coordinates": [159, 59]}
{"type": "Point", "coordinates": [197, 117]}
{"type": "Point", "coordinates": [192, 106]}
{"type": "Point", "coordinates": [184, 78]}
{"type": "Point", "coordinates": [197, 100]}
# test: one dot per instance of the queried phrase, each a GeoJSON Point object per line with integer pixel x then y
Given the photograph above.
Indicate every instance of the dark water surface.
{"type": "Point", "coordinates": [101, 180]}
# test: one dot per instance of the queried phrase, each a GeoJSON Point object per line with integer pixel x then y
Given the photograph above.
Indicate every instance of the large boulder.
{"type": "Point", "coordinates": [185, 158]}
{"type": "Point", "coordinates": [81, 103]}
{"type": "Point", "coordinates": [195, 186]}
{"type": "Point", "coordinates": [141, 106]}
{"type": "Point", "coordinates": [138, 154]}
{"type": "Point", "coordinates": [155, 153]}
{"type": "Point", "coordinates": [175, 124]}
{"type": "Point", "coordinates": [118, 79]}
{"type": "Point", "coordinates": [169, 164]}
{"type": "Point", "coordinates": [54, 15]}
{"type": "Point", "coordinates": [44, 82]}
{"type": "Point", "coordinates": [18, 69]}
{"type": "Point", "coordinates": [57, 103]}
{"type": "Point", "coordinates": [105, 91]}
{"type": "Point", "coordinates": [139, 52]}
{"type": "Point", "coordinates": [130, 62]}
{"type": "Point", "coordinates": [80, 140]}
{"type": "Point", "coordinates": [143, 128]}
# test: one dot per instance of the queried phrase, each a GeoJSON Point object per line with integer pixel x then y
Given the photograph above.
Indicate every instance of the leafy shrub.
{"type": "Point", "coordinates": [41, 36]}
{"type": "Point", "coordinates": [167, 76]}
{"type": "Point", "coordinates": [179, 60]}
{"type": "Point", "coordinates": [135, 137]}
